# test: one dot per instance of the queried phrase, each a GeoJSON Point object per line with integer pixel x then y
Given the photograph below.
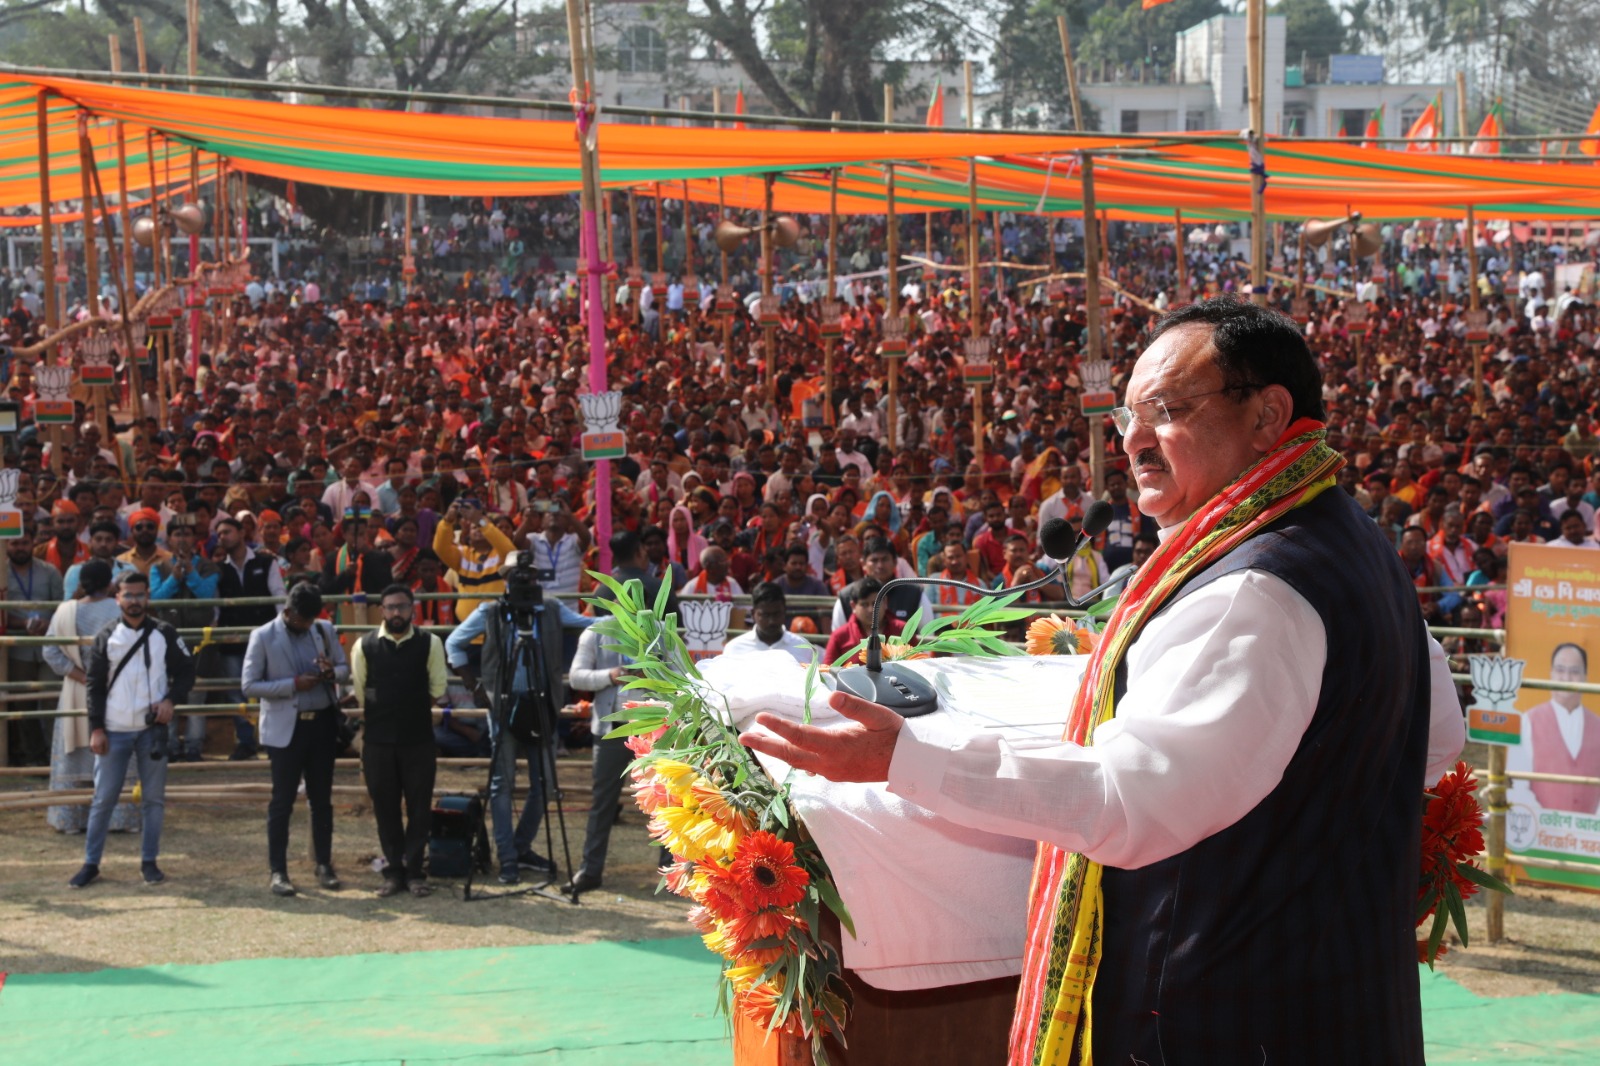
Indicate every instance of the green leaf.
{"type": "Point", "coordinates": [812, 673]}
{"type": "Point", "coordinates": [912, 625]}
{"type": "Point", "coordinates": [633, 729]}
{"type": "Point", "coordinates": [1458, 912]}
{"type": "Point", "coordinates": [830, 897]}
{"type": "Point", "coordinates": [1426, 903]}
{"type": "Point", "coordinates": [662, 594]}
{"type": "Point", "coordinates": [1102, 609]}
{"type": "Point", "coordinates": [1440, 919]}
{"type": "Point", "coordinates": [1483, 879]}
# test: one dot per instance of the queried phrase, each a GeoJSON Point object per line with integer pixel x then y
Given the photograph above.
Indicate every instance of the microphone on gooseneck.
{"type": "Point", "coordinates": [909, 694]}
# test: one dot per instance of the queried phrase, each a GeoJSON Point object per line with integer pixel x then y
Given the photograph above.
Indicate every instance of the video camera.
{"type": "Point", "coordinates": [523, 593]}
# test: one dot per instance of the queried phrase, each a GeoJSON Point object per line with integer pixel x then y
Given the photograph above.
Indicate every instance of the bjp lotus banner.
{"type": "Point", "coordinates": [1553, 623]}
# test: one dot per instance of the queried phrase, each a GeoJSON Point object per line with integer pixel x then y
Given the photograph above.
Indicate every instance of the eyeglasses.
{"type": "Point", "coordinates": [1155, 412]}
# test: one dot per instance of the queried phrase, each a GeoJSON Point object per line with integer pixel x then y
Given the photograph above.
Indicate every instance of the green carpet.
{"type": "Point", "coordinates": [609, 1004]}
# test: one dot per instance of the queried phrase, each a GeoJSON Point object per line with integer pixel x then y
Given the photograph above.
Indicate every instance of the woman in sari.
{"type": "Point", "coordinates": [404, 530]}
{"type": "Point", "coordinates": [71, 761]}
{"type": "Point", "coordinates": [684, 544]}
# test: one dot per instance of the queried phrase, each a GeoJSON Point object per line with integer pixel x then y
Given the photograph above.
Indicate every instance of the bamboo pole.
{"type": "Point", "coordinates": [47, 247]}
{"type": "Point", "coordinates": [722, 257]}
{"type": "Point", "coordinates": [122, 182]}
{"type": "Point", "coordinates": [633, 234]}
{"type": "Point", "coordinates": [974, 305]}
{"type": "Point", "coordinates": [1255, 33]}
{"type": "Point", "coordinates": [91, 251]}
{"type": "Point", "coordinates": [830, 416]}
{"type": "Point", "coordinates": [1092, 350]}
{"type": "Point", "coordinates": [892, 279]}
{"type": "Point", "coordinates": [769, 332]}
{"type": "Point", "coordinates": [194, 198]}
{"type": "Point", "coordinates": [588, 158]}
{"type": "Point", "coordinates": [159, 248]}
{"type": "Point", "coordinates": [1072, 73]}
{"type": "Point", "coordinates": [1471, 242]}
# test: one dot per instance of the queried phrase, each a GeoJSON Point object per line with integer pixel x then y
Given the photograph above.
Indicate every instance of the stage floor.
{"type": "Point", "coordinates": [619, 1003]}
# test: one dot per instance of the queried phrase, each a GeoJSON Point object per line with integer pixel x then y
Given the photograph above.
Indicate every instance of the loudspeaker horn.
{"type": "Point", "coordinates": [785, 232]}
{"type": "Point", "coordinates": [729, 235]}
{"type": "Point", "coordinates": [1317, 231]}
{"type": "Point", "coordinates": [144, 231]}
{"type": "Point", "coordinates": [1369, 238]}
{"type": "Point", "coordinates": [189, 218]}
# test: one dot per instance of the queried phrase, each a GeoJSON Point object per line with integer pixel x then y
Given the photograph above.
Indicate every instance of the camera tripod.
{"type": "Point", "coordinates": [525, 719]}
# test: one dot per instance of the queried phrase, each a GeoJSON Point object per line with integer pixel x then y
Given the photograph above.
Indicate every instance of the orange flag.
{"type": "Point", "coordinates": [1148, 4]}
{"type": "Point", "coordinates": [1591, 147]}
{"type": "Point", "coordinates": [1489, 134]}
{"type": "Point", "coordinates": [1422, 133]}
{"type": "Point", "coordinates": [1374, 129]}
{"type": "Point", "coordinates": [935, 116]}
{"type": "Point", "coordinates": [738, 106]}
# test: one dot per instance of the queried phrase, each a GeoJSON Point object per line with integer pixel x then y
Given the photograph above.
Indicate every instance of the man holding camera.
{"type": "Point", "coordinates": [521, 678]}
{"type": "Point", "coordinates": [398, 674]}
{"type": "Point", "coordinates": [294, 665]}
{"type": "Point", "coordinates": [138, 669]}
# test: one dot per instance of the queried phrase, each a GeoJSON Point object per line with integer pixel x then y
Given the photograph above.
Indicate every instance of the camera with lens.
{"type": "Point", "coordinates": [524, 593]}
{"type": "Point", "coordinates": [158, 743]}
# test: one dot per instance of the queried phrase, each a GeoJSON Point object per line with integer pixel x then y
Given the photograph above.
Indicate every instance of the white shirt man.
{"type": "Point", "coordinates": [747, 643]}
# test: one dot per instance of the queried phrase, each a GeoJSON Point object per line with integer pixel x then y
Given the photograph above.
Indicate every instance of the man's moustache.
{"type": "Point", "coordinates": [1149, 457]}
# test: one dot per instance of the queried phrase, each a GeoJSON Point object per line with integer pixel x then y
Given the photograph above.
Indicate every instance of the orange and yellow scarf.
{"type": "Point", "coordinates": [1052, 1024]}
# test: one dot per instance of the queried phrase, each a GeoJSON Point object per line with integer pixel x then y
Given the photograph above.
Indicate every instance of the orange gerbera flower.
{"type": "Point", "coordinates": [765, 871]}
{"type": "Point", "coordinates": [717, 891]}
{"type": "Point", "coordinates": [715, 802]}
{"type": "Point", "coordinates": [899, 650]}
{"type": "Point", "coordinates": [759, 1002]}
{"type": "Point", "coordinates": [1054, 635]}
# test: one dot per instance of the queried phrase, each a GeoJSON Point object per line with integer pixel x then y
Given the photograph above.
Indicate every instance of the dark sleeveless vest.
{"type": "Point", "coordinates": [1290, 935]}
{"type": "Point", "coordinates": [254, 583]}
{"type": "Point", "coordinates": [397, 706]}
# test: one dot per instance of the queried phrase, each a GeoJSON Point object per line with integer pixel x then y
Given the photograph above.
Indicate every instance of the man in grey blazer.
{"type": "Point", "coordinates": [294, 665]}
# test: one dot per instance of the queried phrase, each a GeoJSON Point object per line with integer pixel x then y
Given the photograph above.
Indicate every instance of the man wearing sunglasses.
{"type": "Point", "coordinates": [145, 555]}
{"type": "Point", "coordinates": [1257, 727]}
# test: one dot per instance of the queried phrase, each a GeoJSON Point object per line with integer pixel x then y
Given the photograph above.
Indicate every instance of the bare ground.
{"type": "Point", "coordinates": [215, 905]}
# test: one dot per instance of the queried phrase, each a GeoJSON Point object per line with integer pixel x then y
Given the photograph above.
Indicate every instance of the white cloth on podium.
{"type": "Point", "coordinates": [934, 903]}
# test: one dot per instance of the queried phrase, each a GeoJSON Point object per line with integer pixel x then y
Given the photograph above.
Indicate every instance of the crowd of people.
{"type": "Point", "coordinates": [354, 438]}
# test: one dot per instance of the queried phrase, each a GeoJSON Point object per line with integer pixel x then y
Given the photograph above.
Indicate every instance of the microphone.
{"type": "Point", "coordinates": [908, 693]}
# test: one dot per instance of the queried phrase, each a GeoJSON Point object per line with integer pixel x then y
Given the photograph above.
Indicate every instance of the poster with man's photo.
{"type": "Point", "coordinates": [1553, 624]}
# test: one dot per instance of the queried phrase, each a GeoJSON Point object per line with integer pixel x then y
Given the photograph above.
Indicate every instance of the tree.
{"type": "Point", "coordinates": [814, 57]}
{"type": "Point", "coordinates": [1121, 33]}
{"type": "Point", "coordinates": [1314, 30]}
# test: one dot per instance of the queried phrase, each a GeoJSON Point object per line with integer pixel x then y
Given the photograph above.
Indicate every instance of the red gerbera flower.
{"type": "Point", "coordinates": [765, 871]}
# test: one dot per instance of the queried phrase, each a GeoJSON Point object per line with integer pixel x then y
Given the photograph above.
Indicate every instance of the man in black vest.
{"type": "Point", "coordinates": [1272, 727]}
{"type": "Point", "coordinates": [399, 675]}
{"type": "Point", "coordinates": [242, 571]}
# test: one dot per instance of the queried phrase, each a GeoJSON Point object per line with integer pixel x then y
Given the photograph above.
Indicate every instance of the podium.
{"type": "Point", "coordinates": [956, 1025]}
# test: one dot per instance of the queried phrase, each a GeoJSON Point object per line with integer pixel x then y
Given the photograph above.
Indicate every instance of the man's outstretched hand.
{"type": "Point", "coordinates": [858, 751]}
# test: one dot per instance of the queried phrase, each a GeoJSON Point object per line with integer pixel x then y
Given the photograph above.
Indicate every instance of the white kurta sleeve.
{"type": "Point", "coordinates": [1220, 692]}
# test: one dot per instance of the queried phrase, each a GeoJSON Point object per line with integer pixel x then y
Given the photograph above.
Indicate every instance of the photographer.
{"type": "Point", "coordinates": [294, 665]}
{"type": "Point", "coordinates": [138, 669]}
{"type": "Point", "coordinates": [515, 695]}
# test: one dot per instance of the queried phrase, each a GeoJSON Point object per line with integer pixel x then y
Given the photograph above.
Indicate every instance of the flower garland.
{"type": "Point", "coordinates": [756, 878]}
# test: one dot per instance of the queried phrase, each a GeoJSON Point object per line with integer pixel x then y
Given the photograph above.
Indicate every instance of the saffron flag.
{"type": "Point", "coordinates": [1148, 4]}
{"type": "Point", "coordinates": [1374, 129]}
{"type": "Point", "coordinates": [1489, 134]}
{"type": "Point", "coordinates": [738, 106]}
{"type": "Point", "coordinates": [935, 116]}
{"type": "Point", "coordinates": [1591, 147]}
{"type": "Point", "coordinates": [1425, 130]}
